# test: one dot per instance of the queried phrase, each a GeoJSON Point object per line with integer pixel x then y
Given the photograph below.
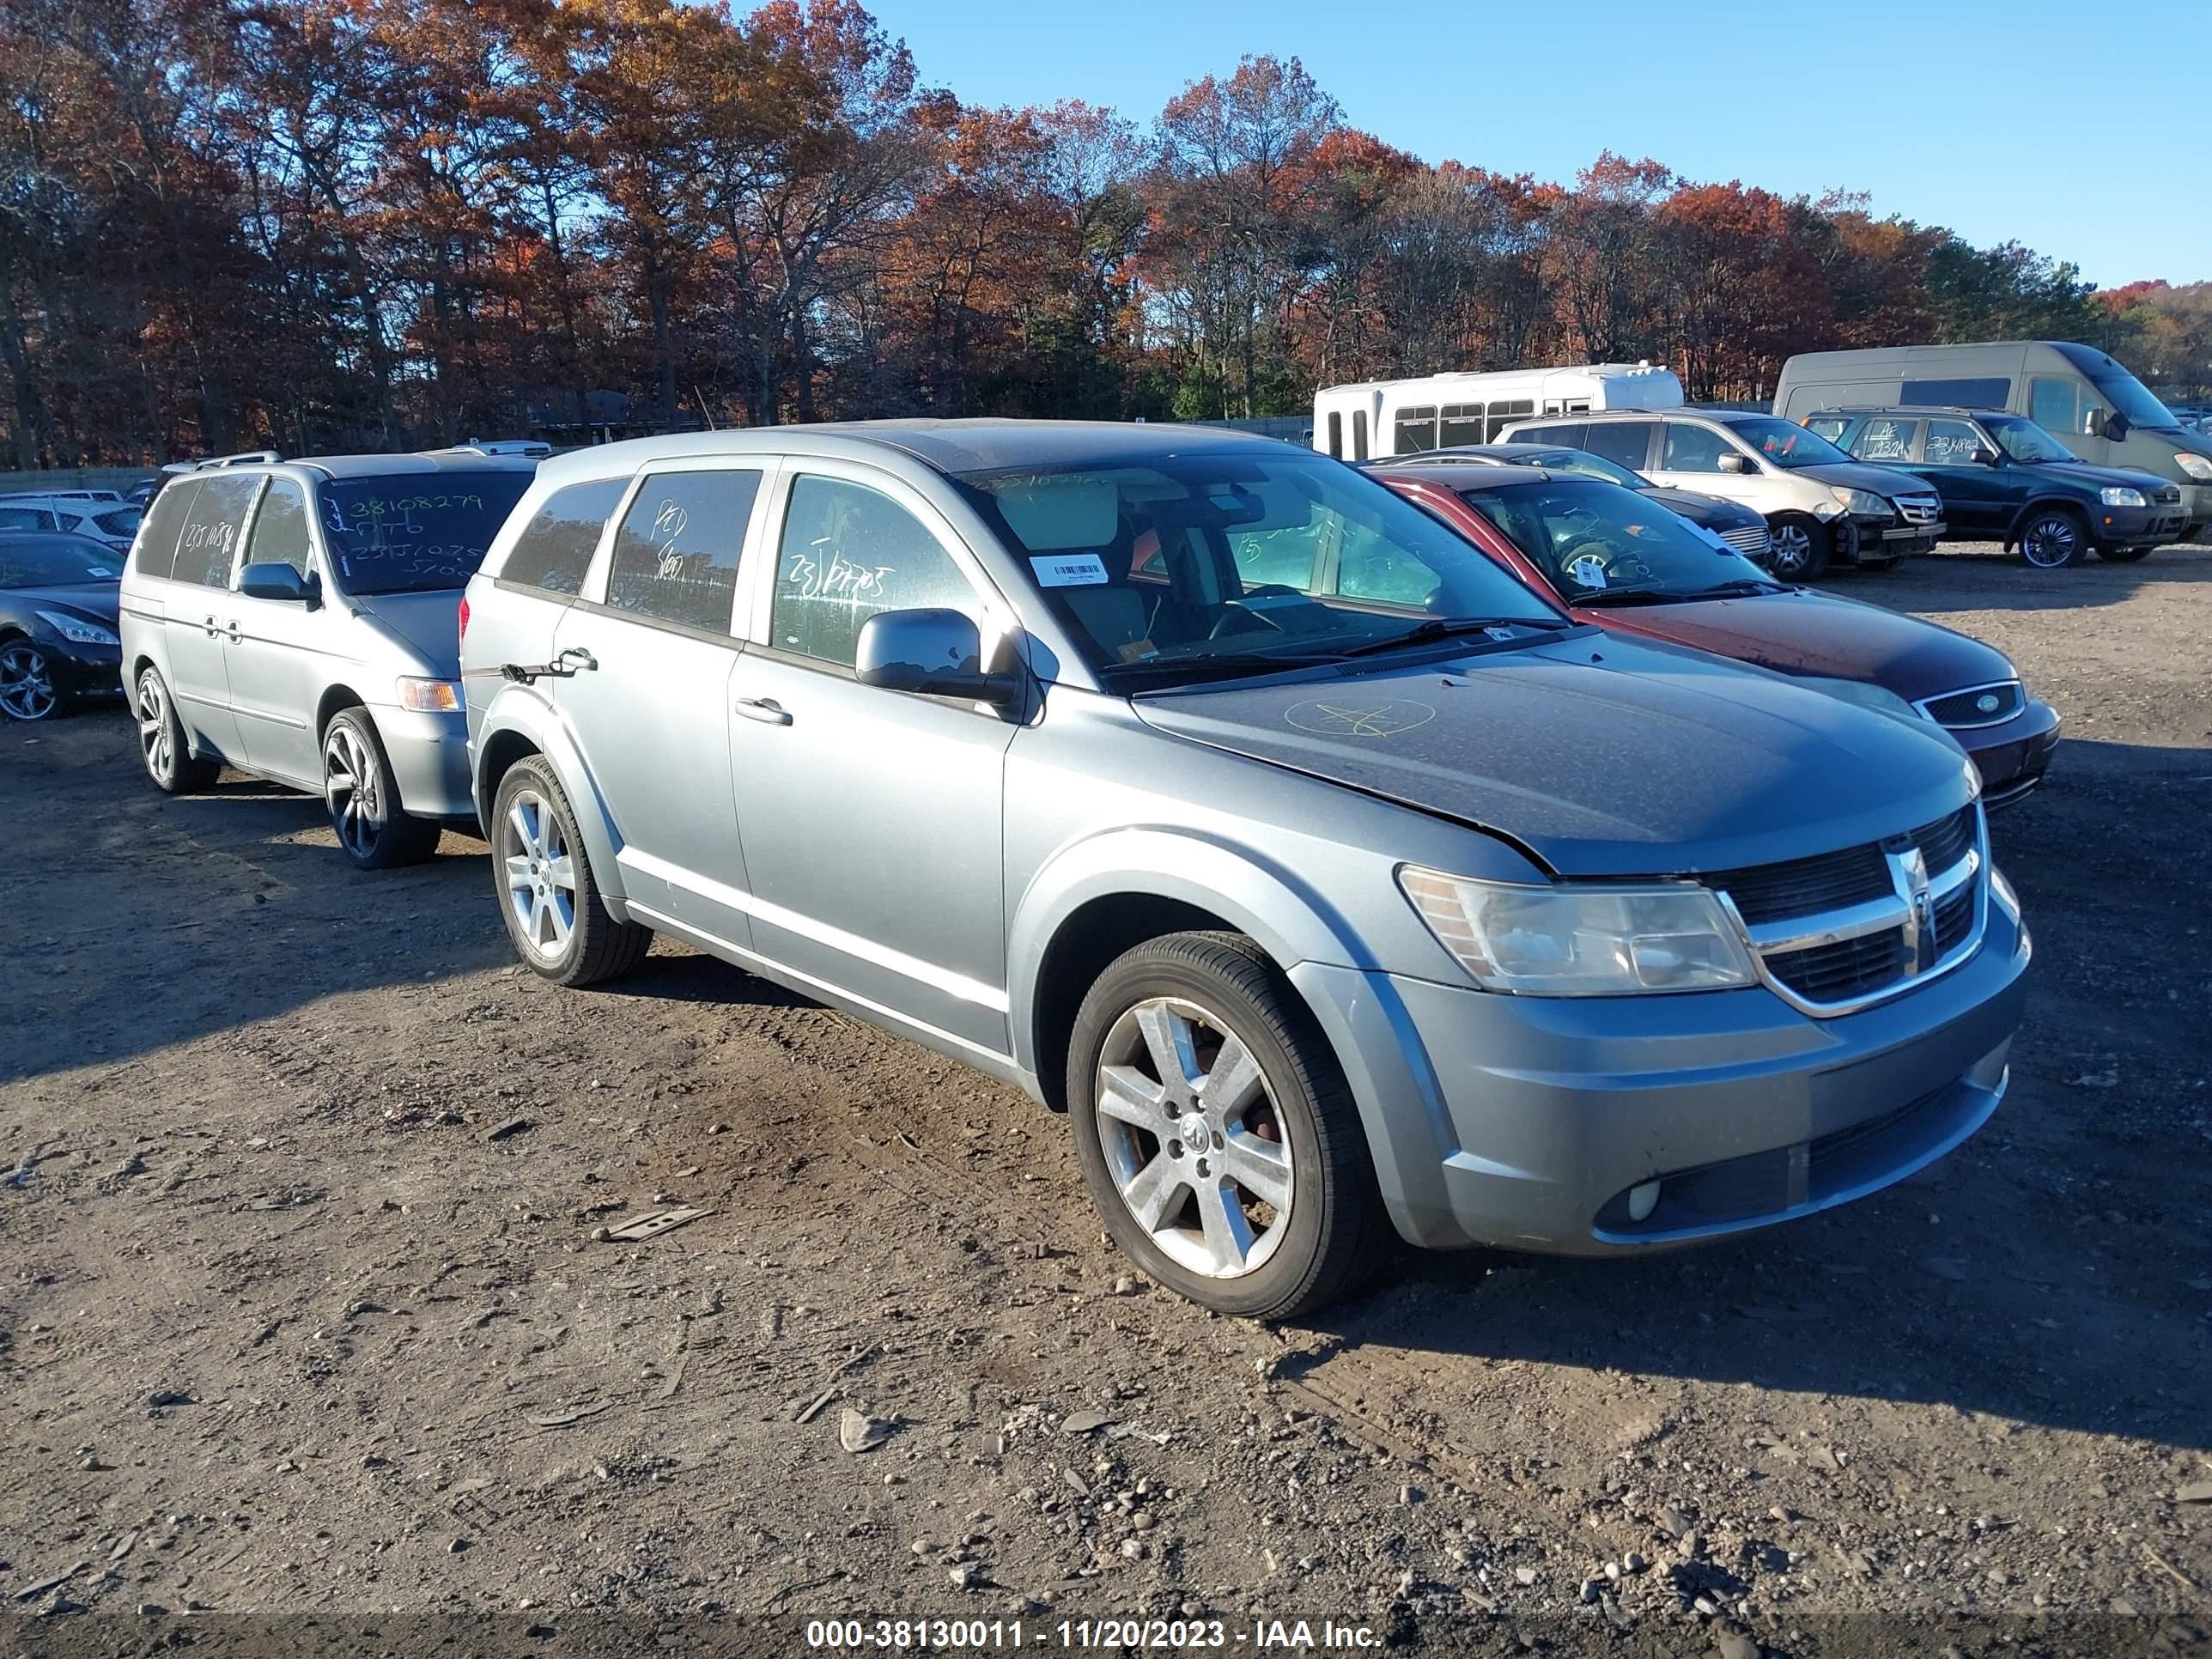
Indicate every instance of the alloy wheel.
{"type": "Point", "coordinates": [541, 875]}
{"type": "Point", "coordinates": [1192, 1140]}
{"type": "Point", "coordinates": [1792, 551]}
{"type": "Point", "coordinates": [349, 788]}
{"type": "Point", "coordinates": [153, 727]}
{"type": "Point", "coordinates": [27, 683]}
{"type": "Point", "coordinates": [2051, 542]}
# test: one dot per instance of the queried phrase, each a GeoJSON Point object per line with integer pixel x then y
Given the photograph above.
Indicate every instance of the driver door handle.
{"type": "Point", "coordinates": [767, 710]}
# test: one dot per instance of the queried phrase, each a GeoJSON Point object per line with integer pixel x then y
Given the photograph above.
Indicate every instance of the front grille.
{"type": "Point", "coordinates": [1978, 705]}
{"type": "Point", "coordinates": [1752, 539]}
{"type": "Point", "coordinates": [1892, 917]}
{"type": "Point", "coordinates": [1920, 509]}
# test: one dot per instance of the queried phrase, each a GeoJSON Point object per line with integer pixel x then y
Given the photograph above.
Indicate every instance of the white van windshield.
{"type": "Point", "coordinates": [2128, 397]}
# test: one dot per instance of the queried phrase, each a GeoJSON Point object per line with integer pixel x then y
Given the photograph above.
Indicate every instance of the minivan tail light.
{"type": "Point", "coordinates": [464, 615]}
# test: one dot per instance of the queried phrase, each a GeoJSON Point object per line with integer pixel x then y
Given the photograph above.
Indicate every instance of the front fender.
{"type": "Point", "coordinates": [524, 712]}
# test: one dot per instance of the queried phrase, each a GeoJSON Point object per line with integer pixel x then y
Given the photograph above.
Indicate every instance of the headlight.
{"type": "Point", "coordinates": [2121, 496]}
{"type": "Point", "coordinates": [1587, 941]}
{"type": "Point", "coordinates": [2197, 466]}
{"type": "Point", "coordinates": [430, 696]}
{"type": "Point", "coordinates": [1863, 502]}
{"type": "Point", "coordinates": [76, 630]}
{"type": "Point", "coordinates": [1864, 693]}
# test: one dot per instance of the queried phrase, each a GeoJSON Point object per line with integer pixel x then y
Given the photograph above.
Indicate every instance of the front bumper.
{"type": "Point", "coordinates": [83, 670]}
{"type": "Point", "coordinates": [429, 757]}
{"type": "Point", "coordinates": [2012, 757]}
{"type": "Point", "coordinates": [1887, 536]}
{"type": "Point", "coordinates": [2139, 526]}
{"type": "Point", "coordinates": [1524, 1123]}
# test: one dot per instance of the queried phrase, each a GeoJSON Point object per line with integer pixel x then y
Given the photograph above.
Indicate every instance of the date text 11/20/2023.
{"type": "Point", "coordinates": [1112, 1634]}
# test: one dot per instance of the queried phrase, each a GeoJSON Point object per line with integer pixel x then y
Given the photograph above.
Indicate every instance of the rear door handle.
{"type": "Point", "coordinates": [767, 710]}
{"type": "Point", "coordinates": [236, 634]}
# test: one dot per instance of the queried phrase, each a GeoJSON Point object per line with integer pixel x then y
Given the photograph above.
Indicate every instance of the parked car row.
{"type": "Point", "coordinates": [1332, 878]}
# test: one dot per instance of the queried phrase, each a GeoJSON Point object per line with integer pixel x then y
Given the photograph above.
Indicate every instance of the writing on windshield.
{"type": "Point", "coordinates": [409, 535]}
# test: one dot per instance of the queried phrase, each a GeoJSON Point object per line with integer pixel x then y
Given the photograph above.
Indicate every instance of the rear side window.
{"type": "Point", "coordinates": [280, 528]}
{"type": "Point", "coordinates": [123, 521]}
{"type": "Point", "coordinates": [1624, 443]}
{"type": "Point", "coordinates": [1993, 392]}
{"type": "Point", "coordinates": [1415, 431]}
{"type": "Point", "coordinates": [1459, 424]}
{"type": "Point", "coordinates": [1952, 443]}
{"type": "Point", "coordinates": [211, 538]}
{"type": "Point", "coordinates": [1568, 435]}
{"type": "Point", "coordinates": [1504, 413]}
{"type": "Point", "coordinates": [675, 554]}
{"type": "Point", "coordinates": [26, 518]}
{"type": "Point", "coordinates": [1883, 439]}
{"type": "Point", "coordinates": [555, 547]}
{"type": "Point", "coordinates": [848, 552]}
{"type": "Point", "coordinates": [155, 552]}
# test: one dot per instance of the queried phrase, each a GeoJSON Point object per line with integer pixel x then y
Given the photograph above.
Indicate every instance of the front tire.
{"type": "Point", "coordinates": [548, 894]}
{"type": "Point", "coordinates": [373, 828]}
{"type": "Point", "coordinates": [1215, 1132]}
{"type": "Point", "coordinates": [27, 683]}
{"type": "Point", "coordinates": [2053, 538]}
{"type": "Point", "coordinates": [1801, 548]}
{"type": "Point", "coordinates": [170, 761]}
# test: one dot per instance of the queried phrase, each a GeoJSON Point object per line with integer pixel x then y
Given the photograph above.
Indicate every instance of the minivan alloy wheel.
{"type": "Point", "coordinates": [540, 874]}
{"type": "Point", "coordinates": [26, 682]}
{"type": "Point", "coordinates": [349, 786]}
{"type": "Point", "coordinates": [1192, 1141]}
{"type": "Point", "coordinates": [154, 724]}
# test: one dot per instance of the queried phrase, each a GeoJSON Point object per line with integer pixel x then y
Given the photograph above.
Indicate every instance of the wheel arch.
{"type": "Point", "coordinates": [335, 699]}
{"type": "Point", "coordinates": [2044, 503]}
{"type": "Point", "coordinates": [519, 726]}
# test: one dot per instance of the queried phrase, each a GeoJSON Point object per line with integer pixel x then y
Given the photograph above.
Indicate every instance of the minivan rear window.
{"type": "Point", "coordinates": [415, 533]}
{"type": "Point", "coordinates": [555, 550]}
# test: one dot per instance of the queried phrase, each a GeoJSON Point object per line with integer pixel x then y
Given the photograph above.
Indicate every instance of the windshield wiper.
{"type": "Point", "coordinates": [1623, 596]}
{"type": "Point", "coordinates": [1437, 628]}
{"type": "Point", "coordinates": [1740, 585]}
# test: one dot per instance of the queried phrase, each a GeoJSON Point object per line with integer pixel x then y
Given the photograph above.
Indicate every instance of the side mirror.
{"type": "Point", "coordinates": [933, 653]}
{"type": "Point", "coordinates": [279, 581]}
{"type": "Point", "coordinates": [2093, 423]}
{"type": "Point", "coordinates": [1731, 462]}
{"type": "Point", "coordinates": [1985, 456]}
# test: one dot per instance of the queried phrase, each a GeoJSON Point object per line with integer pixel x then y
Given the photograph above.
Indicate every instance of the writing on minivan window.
{"type": "Point", "coordinates": [839, 582]}
{"type": "Point", "coordinates": [403, 535]}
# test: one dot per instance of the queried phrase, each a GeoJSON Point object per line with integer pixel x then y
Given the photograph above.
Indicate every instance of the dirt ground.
{"type": "Point", "coordinates": [308, 1335]}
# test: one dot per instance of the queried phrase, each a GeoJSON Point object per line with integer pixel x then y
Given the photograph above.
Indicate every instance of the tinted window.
{"type": "Point", "coordinates": [1990, 393]}
{"type": "Point", "coordinates": [156, 550]}
{"type": "Point", "coordinates": [847, 552]}
{"type": "Point", "coordinates": [415, 533]}
{"type": "Point", "coordinates": [675, 554]}
{"type": "Point", "coordinates": [1693, 448]}
{"type": "Point", "coordinates": [1883, 439]}
{"type": "Point", "coordinates": [211, 538]}
{"type": "Point", "coordinates": [1460, 423]}
{"type": "Point", "coordinates": [1952, 443]}
{"type": "Point", "coordinates": [26, 518]}
{"type": "Point", "coordinates": [1336, 434]}
{"type": "Point", "coordinates": [1570, 434]}
{"type": "Point", "coordinates": [1624, 443]}
{"type": "Point", "coordinates": [280, 528]}
{"type": "Point", "coordinates": [1359, 434]}
{"type": "Point", "coordinates": [555, 547]}
{"type": "Point", "coordinates": [123, 521]}
{"type": "Point", "coordinates": [1504, 414]}
{"type": "Point", "coordinates": [1416, 430]}
{"type": "Point", "coordinates": [53, 561]}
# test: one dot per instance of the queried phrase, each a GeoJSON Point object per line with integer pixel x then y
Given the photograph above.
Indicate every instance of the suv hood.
{"type": "Point", "coordinates": [1602, 755]}
{"type": "Point", "coordinates": [1884, 481]}
{"type": "Point", "coordinates": [2095, 477]}
{"type": "Point", "coordinates": [428, 624]}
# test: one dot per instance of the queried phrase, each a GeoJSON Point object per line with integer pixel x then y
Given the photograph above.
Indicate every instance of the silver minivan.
{"type": "Point", "coordinates": [1331, 881]}
{"type": "Point", "coordinates": [298, 620]}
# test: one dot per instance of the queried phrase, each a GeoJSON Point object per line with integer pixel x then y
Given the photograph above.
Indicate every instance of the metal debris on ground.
{"type": "Point", "coordinates": [654, 1223]}
{"type": "Point", "coordinates": [858, 1432]}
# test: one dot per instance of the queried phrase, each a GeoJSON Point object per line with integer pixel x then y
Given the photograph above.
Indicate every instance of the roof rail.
{"type": "Point", "coordinates": [536, 449]}
{"type": "Point", "coordinates": [245, 457]}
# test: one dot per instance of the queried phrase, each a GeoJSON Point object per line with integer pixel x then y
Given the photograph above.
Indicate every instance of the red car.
{"type": "Point", "coordinates": [1615, 559]}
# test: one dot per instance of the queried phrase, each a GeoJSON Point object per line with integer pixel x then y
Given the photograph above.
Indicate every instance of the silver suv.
{"type": "Point", "coordinates": [297, 620]}
{"type": "Point", "coordinates": [1328, 879]}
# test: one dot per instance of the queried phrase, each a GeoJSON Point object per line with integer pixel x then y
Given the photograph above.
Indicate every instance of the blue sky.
{"type": "Point", "coordinates": [2030, 120]}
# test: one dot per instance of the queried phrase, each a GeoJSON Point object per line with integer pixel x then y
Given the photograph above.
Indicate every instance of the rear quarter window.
{"type": "Point", "coordinates": [154, 553]}
{"type": "Point", "coordinates": [554, 551]}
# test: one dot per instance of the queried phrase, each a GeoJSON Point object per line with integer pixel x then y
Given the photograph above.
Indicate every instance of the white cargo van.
{"type": "Point", "coordinates": [1403, 417]}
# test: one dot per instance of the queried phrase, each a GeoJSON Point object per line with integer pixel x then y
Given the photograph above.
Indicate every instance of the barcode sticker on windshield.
{"type": "Point", "coordinates": [1069, 569]}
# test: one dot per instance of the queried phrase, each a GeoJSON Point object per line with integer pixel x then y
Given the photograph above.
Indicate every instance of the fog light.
{"type": "Point", "coordinates": [1642, 1201]}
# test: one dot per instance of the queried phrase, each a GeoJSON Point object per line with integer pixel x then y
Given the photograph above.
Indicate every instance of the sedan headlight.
{"type": "Point", "coordinates": [2121, 496]}
{"type": "Point", "coordinates": [1581, 941]}
{"type": "Point", "coordinates": [76, 630]}
{"type": "Point", "coordinates": [430, 696]}
{"type": "Point", "coordinates": [1863, 693]}
{"type": "Point", "coordinates": [2195, 466]}
{"type": "Point", "coordinates": [1864, 501]}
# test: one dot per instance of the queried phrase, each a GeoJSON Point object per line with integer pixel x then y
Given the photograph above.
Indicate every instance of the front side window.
{"type": "Point", "coordinates": [1693, 448]}
{"type": "Point", "coordinates": [1784, 444]}
{"type": "Point", "coordinates": [1624, 443]}
{"type": "Point", "coordinates": [2025, 440]}
{"type": "Point", "coordinates": [156, 550]}
{"type": "Point", "coordinates": [847, 553]}
{"type": "Point", "coordinates": [554, 551]}
{"type": "Point", "coordinates": [676, 554]}
{"type": "Point", "coordinates": [1883, 439]}
{"type": "Point", "coordinates": [2055, 404]}
{"type": "Point", "coordinates": [1218, 565]}
{"type": "Point", "coordinates": [1599, 544]}
{"type": "Point", "coordinates": [1952, 443]}
{"type": "Point", "coordinates": [280, 528]}
{"type": "Point", "coordinates": [204, 551]}
{"type": "Point", "coordinates": [415, 533]}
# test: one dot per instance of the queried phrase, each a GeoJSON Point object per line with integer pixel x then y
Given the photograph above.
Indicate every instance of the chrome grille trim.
{"type": "Point", "coordinates": [1751, 538]}
{"type": "Point", "coordinates": [1920, 509]}
{"type": "Point", "coordinates": [1908, 914]}
{"type": "Point", "coordinates": [2011, 706]}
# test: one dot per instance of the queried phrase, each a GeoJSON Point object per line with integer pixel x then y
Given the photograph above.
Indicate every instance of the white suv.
{"type": "Point", "coordinates": [1822, 506]}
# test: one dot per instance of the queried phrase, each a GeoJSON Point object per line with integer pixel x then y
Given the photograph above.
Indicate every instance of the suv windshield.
{"type": "Point", "coordinates": [53, 561]}
{"type": "Point", "coordinates": [2023, 440]}
{"type": "Point", "coordinates": [415, 532]}
{"type": "Point", "coordinates": [1786, 445]}
{"type": "Point", "coordinates": [1209, 565]}
{"type": "Point", "coordinates": [2130, 397]}
{"type": "Point", "coordinates": [1600, 545]}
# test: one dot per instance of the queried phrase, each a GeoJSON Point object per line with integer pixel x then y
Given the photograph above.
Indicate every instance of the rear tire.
{"type": "Point", "coordinates": [1237, 1173]}
{"type": "Point", "coordinates": [2125, 555]}
{"type": "Point", "coordinates": [170, 763]}
{"type": "Point", "coordinates": [373, 828]}
{"type": "Point", "coordinates": [548, 894]}
{"type": "Point", "coordinates": [2053, 538]}
{"type": "Point", "coordinates": [1802, 546]}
